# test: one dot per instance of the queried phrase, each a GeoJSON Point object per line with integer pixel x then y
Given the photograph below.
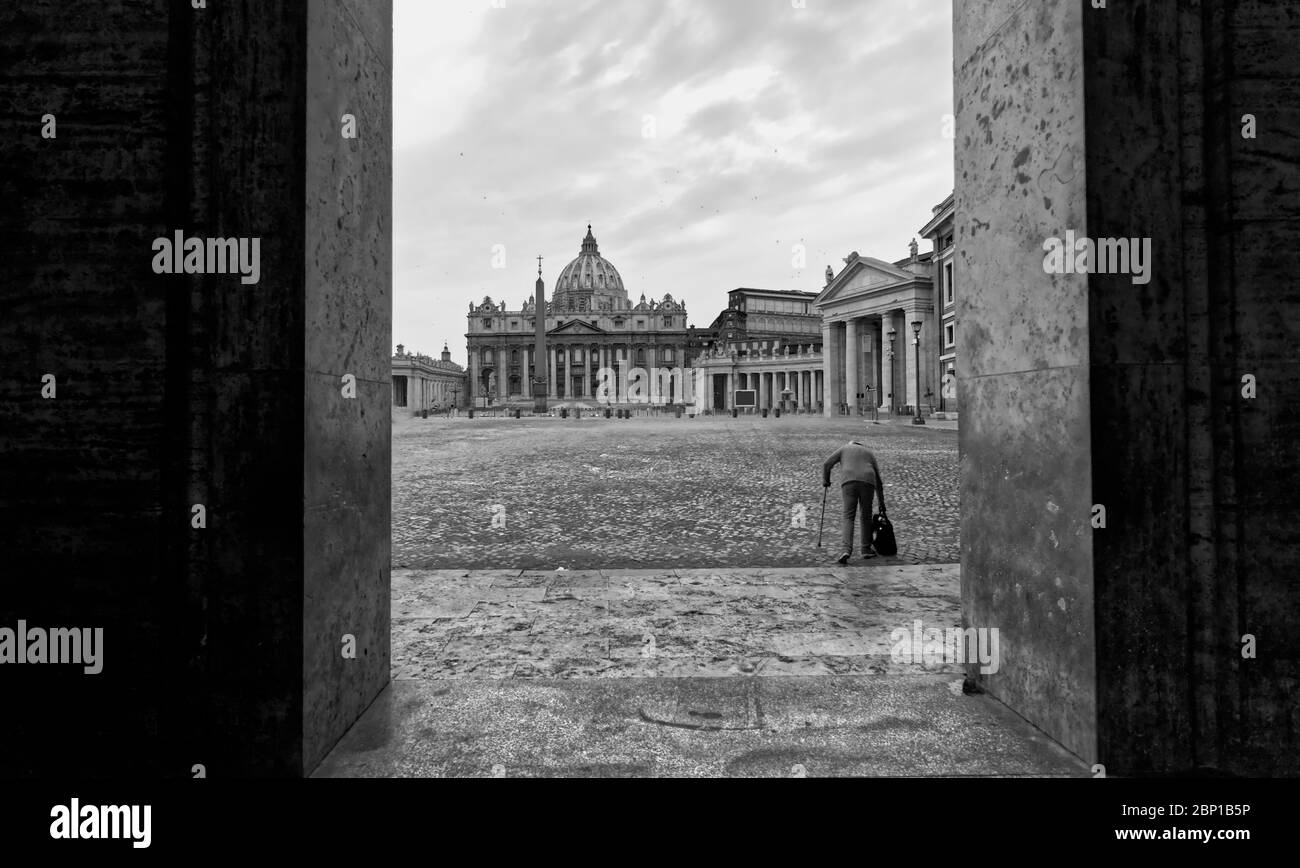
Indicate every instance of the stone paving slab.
{"type": "Point", "coordinates": [672, 624]}
{"type": "Point", "coordinates": [715, 672]}
{"type": "Point", "coordinates": [830, 726]}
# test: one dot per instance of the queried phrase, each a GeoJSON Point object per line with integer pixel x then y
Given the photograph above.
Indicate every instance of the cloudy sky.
{"type": "Point", "coordinates": [702, 139]}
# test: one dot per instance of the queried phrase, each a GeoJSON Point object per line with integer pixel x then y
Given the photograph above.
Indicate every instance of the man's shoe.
{"type": "Point", "coordinates": [844, 558]}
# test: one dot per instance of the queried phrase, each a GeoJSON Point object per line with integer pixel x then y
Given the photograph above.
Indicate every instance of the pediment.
{"type": "Point", "coordinates": [576, 327]}
{"type": "Point", "coordinates": [865, 276]}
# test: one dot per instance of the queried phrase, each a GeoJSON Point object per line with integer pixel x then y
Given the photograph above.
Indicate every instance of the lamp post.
{"type": "Point", "coordinates": [892, 336]}
{"type": "Point", "coordinates": [916, 330]}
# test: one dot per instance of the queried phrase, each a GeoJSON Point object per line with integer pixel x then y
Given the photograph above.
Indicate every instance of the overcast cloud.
{"type": "Point", "coordinates": [773, 126]}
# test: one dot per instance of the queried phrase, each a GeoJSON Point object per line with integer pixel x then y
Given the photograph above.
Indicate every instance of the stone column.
{"type": "Point", "coordinates": [915, 387]}
{"type": "Point", "coordinates": [871, 362]}
{"type": "Point", "coordinates": [503, 374]}
{"type": "Point", "coordinates": [852, 360]}
{"type": "Point", "coordinates": [221, 646]}
{"type": "Point", "coordinates": [888, 359]}
{"type": "Point", "coordinates": [830, 368]}
{"type": "Point", "coordinates": [475, 371]}
{"type": "Point", "coordinates": [586, 370]}
{"type": "Point", "coordinates": [550, 379]}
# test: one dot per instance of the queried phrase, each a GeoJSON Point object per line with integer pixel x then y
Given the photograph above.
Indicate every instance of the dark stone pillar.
{"type": "Point", "coordinates": [1125, 642]}
{"type": "Point", "coordinates": [222, 645]}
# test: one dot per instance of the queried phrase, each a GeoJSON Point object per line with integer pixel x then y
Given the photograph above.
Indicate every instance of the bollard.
{"type": "Point", "coordinates": [735, 413]}
{"type": "Point", "coordinates": [564, 412]}
{"type": "Point", "coordinates": [471, 412]}
{"type": "Point", "coordinates": [607, 413]}
{"type": "Point", "coordinates": [679, 412]}
{"type": "Point", "coordinates": [764, 412]}
{"type": "Point", "coordinates": [424, 414]}
{"type": "Point", "coordinates": [778, 412]}
{"type": "Point", "coordinates": [517, 414]}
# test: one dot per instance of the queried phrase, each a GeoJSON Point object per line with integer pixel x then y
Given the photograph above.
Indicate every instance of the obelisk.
{"type": "Point", "coordinates": [541, 364]}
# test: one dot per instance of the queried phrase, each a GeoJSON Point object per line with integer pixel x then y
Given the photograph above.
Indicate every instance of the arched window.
{"type": "Point", "coordinates": [487, 356]}
{"type": "Point", "coordinates": [514, 357]}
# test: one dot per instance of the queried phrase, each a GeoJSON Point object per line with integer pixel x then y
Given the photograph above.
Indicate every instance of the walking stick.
{"type": "Point", "coordinates": [825, 490]}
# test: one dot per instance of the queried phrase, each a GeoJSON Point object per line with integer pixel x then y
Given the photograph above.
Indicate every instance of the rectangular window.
{"type": "Point", "coordinates": [950, 334]}
{"type": "Point", "coordinates": [399, 391]}
{"type": "Point", "coordinates": [514, 323]}
{"type": "Point", "coordinates": [947, 284]}
{"type": "Point", "coordinates": [487, 323]}
{"type": "Point", "coordinates": [640, 323]}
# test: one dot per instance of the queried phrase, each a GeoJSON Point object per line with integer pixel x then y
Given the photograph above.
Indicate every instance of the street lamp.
{"type": "Point", "coordinates": [916, 330]}
{"type": "Point", "coordinates": [892, 336]}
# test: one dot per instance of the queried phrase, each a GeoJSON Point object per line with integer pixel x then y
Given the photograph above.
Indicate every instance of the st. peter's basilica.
{"type": "Point", "coordinates": [590, 324]}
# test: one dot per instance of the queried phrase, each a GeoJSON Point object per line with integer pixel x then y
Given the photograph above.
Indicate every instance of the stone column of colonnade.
{"type": "Point", "coordinates": [872, 362]}
{"type": "Point", "coordinates": [915, 390]}
{"type": "Point", "coordinates": [830, 368]}
{"type": "Point", "coordinates": [888, 359]}
{"type": "Point", "coordinates": [852, 355]}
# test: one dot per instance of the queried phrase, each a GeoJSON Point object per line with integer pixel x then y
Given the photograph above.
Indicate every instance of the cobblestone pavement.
{"type": "Point", "coordinates": [608, 493]}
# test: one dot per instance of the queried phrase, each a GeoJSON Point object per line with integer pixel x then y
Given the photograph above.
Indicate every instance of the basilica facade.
{"type": "Point", "coordinates": [591, 325]}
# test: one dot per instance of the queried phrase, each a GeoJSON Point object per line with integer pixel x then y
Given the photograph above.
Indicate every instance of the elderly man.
{"type": "Point", "coordinates": [861, 479]}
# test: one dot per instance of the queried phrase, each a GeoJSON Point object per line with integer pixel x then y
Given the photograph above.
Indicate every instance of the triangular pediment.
{"type": "Point", "coordinates": [865, 276]}
{"type": "Point", "coordinates": [576, 327]}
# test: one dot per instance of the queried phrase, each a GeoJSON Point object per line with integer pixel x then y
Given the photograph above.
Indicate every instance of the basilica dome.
{"type": "Point", "coordinates": [590, 282]}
